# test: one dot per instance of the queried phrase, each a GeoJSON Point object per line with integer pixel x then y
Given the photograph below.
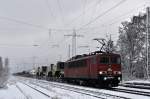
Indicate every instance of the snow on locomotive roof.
{"type": "Point", "coordinates": [83, 56]}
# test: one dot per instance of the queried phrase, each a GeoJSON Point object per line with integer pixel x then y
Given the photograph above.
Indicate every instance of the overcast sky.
{"type": "Point", "coordinates": [25, 23]}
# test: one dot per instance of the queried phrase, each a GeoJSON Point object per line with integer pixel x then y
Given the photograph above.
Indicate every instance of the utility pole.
{"type": "Point", "coordinates": [60, 57]}
{"type": "Point", "coordinates": [147, 39]}
{"type": "Point", "coordinates": [50, 33]}
{"type": "Point", "coordinates": [69, 51]}
{"type": "Point", "coordinates": [34, 61]}
{"type": "Point", "coordinates": [74, 36]}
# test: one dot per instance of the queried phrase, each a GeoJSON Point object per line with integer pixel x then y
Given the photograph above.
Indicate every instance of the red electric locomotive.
{"type": "Point", "coordinates": [100, 68]}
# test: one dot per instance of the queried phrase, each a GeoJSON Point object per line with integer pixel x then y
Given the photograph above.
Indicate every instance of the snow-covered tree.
{"type": "Point", "coordinates": [4, 72]}
{"type": "Point", "coordinates": [131, 45]}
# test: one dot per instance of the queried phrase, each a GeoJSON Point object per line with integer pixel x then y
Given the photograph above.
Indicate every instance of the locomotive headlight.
{"type": "Point", "coordinates": [119, 72]}
{"type": "Point", "coordinates": [119, 78]}
{"type": "Point", "coordinates": [105, 78]}
{"type": "Point", "coordinates": [100, 72]}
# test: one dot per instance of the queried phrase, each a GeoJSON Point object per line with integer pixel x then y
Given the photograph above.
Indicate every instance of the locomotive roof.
{"type": "Point", "coordinates": [85, 56]}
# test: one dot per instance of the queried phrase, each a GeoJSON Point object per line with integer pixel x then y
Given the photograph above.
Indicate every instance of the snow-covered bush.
{"type": "Point", "coordinates": [4, 72]}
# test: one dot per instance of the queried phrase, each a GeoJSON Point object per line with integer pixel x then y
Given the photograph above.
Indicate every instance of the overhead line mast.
{"type": "Point", "coordinates": [74, 36]}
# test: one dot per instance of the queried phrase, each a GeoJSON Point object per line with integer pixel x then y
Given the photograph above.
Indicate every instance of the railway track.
{"type": "Point", "coordinates": [26, 96]}
{"type": "Point", "coordinates": [95, 94]}
{"type": "Point", "coordinates": [37, 90]}
{"type": "Point", "coordinates": [131, 91]}
{"type": "Point", "coordinates": [140, 86]}
{"type": "Point", "coordinates": [45, 84]}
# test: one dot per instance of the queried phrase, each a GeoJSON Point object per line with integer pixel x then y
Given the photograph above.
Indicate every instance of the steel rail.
{"type": "Point", "coordinates": [36, 90]}
{"type": "Point", "coordinates": [83, 91]}
{"type": "Point", "coordinates": [22, 91]}
{"type": "Point", "coordinates": [131, 91]}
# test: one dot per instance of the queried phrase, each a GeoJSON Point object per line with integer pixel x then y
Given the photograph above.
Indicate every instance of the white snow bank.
{"type": "Point", "coordinates": [138, 81]}
{"type": "Point", "coordinates": [11, 92]}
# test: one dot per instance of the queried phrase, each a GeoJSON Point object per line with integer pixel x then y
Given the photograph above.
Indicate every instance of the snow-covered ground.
{"type": "Point", "coordinates": [17, 89]}
{"type": "Point", "coordinates": [11, 92]}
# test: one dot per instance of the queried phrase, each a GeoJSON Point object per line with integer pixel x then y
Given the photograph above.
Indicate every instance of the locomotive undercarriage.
{"type": "Point", "coordinates": [109, 80]}
{"type": "Point", "coordinates": [100, 81]}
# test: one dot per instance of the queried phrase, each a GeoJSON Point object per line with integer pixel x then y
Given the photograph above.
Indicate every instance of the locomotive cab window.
{"type": "Point", "coordinates": [104, 60]}
{"type": "Point", "coordinates": [115, 60]}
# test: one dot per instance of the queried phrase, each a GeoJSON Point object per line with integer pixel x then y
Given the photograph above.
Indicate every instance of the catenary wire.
{"type": "Point", "coordinates": [61, 11]}
{"type": "Point", "coordinates": [80, 15]}
{"type": "Point", "coordinates": [49, 8]}
{"type": "Point", "coordinates": [102, 14]}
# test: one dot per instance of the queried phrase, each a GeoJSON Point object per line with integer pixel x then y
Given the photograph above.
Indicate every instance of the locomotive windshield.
{"type": "Point", "coordinates": [104, 60]}
{"type": "Point", "coordinates": [115, 60]}
{"type": "Point", "coordinates": [110, 60]}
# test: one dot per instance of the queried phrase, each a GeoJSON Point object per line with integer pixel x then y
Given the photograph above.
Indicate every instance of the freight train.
{"type": "Point", "coordinates": [50, 72]}
{"type": "Point", "coordinates": [96, 68]}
